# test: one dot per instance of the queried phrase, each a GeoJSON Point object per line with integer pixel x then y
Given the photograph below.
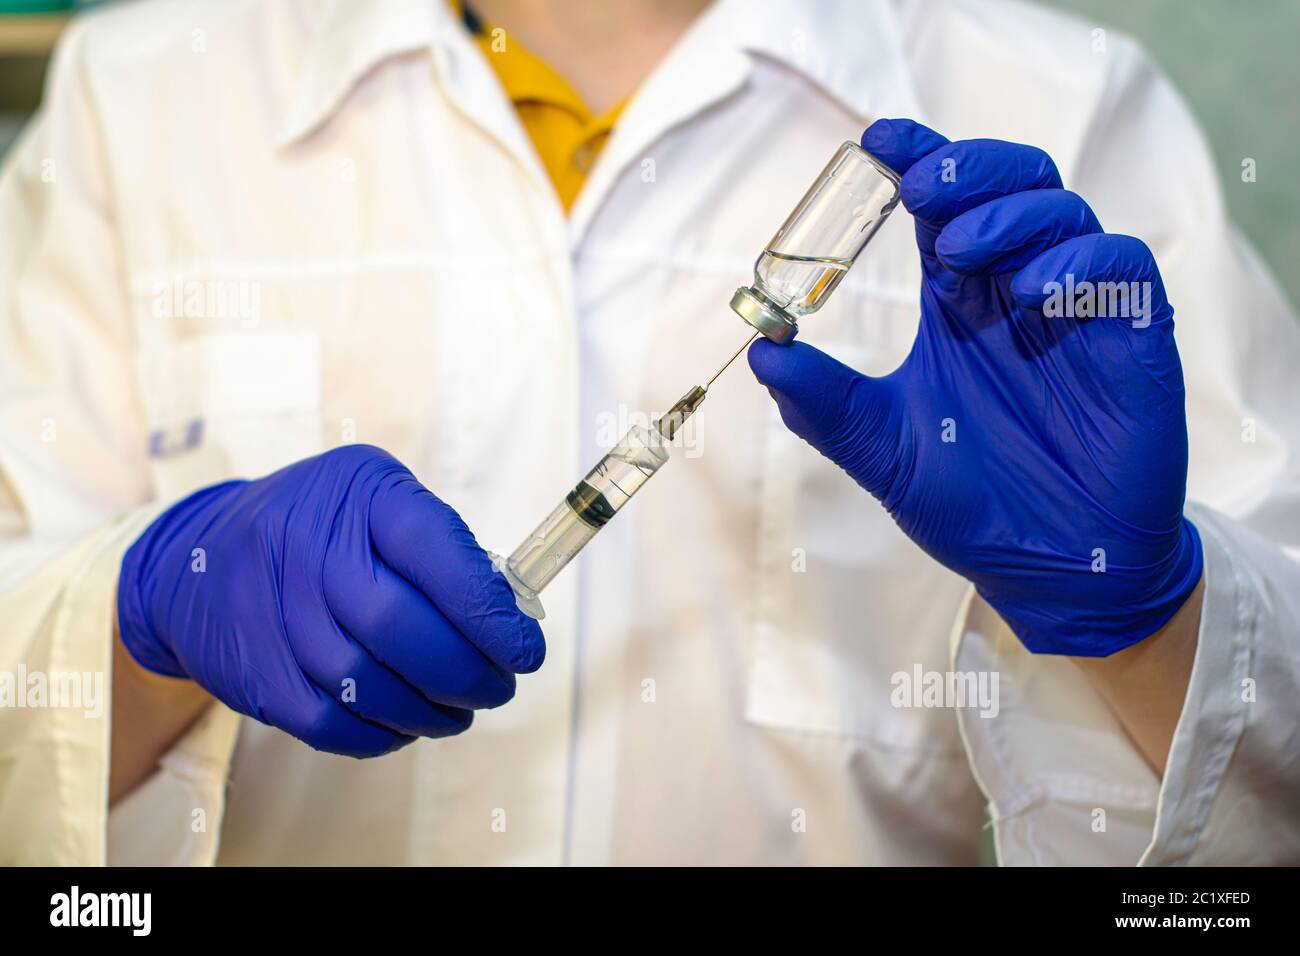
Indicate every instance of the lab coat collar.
{"type": "Point", "coordinates": [852, 49]}
{"type": "Point", "coordinates": [349, 39]}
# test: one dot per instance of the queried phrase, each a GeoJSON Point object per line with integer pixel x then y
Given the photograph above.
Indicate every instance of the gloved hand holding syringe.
{"type": "Point", "coordinates": [794, 276]}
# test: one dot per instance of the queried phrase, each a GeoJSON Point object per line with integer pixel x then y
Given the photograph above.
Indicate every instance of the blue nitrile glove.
{"type": "Point", "coordinates": [1041, 456]}
{"type": "Point", "coordinates": [336, 599]}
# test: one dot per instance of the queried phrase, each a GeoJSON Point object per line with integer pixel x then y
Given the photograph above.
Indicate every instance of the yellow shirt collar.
{"type": "Point", "coordinates": [563, 130]}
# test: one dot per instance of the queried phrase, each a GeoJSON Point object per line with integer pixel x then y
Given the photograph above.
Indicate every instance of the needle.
{"type": "Point", "coordinates": [730, 360]}
{"type": "Point", "coordinates": [670, 421]}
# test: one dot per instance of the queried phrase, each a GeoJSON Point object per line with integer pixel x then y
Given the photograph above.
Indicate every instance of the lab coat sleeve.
{"type": "Point", "coordinates": [1065, 785]}
{"type": "Point", "coordinates": [74, 489]}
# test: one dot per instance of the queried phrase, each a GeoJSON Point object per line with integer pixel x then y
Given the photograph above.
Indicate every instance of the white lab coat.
{"type": "Point", "coordinates": [397, 271]}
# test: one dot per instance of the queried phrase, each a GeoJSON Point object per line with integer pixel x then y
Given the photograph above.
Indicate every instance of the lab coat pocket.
{"type": "Point", "coordinates": [844, 602]}
{"type": "Point", "coordinates": [236, 403]}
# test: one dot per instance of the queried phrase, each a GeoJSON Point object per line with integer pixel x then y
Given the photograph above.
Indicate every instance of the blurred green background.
{"type": "Point", "coordinates": [1234, 60]}
{"type": "Point", "coordinates": [1236, 63]}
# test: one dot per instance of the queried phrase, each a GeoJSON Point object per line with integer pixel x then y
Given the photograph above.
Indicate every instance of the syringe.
{"type": "Point", "coordinates": [597, 498]}
{"type": "Point", "coordinates": [793, 277]}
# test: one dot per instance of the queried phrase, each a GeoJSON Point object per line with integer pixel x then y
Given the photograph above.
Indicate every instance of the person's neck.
{"type": "Point", "coordinates": [604, 49]}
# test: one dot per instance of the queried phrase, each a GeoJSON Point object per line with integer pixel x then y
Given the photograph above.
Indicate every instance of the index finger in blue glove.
{"type": "Point", "coordinates": [970, 172]}
{"type": "Point", "coordinates": [427, 543]}
{"type": "Point", "coordinates": [898, 143]}
{"type": "Point", "coordinates": [1005, 234]}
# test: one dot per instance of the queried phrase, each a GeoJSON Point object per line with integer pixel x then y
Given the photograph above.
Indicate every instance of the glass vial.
{"type": "Point", "coordinates": [814, 248]}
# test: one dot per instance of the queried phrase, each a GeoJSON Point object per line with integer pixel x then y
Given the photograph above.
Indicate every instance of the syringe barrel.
{"type": "Point", "coordinates": [583, 512]}
{"type": "Point", "coordinates": [549, 548]}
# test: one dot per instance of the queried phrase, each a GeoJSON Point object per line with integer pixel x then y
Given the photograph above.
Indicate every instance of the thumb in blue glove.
{"type": "Point", "coordinates": [336, 599]}
{"type": "Point", "coordinates": [1032, 442]}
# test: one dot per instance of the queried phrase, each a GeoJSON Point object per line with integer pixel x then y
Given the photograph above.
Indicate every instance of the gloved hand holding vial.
{"type": "Point", "coordinates": [794, 276]}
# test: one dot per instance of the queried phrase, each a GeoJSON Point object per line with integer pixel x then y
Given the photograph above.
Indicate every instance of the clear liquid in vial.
{"type": "Point", "coordinates": [799, 284]}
